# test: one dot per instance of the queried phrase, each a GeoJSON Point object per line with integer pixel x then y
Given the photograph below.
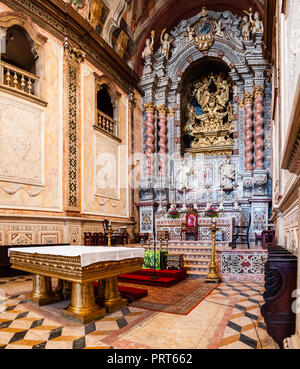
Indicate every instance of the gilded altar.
{"type": "Point", "coordinates": [209, 127]}
{"type": "Point", "coordinates": [80, 265]}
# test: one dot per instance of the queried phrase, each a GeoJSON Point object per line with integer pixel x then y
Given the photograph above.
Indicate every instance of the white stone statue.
{"type": "Point", "coordinates": [227, 171]}
{"type": "Point", "coordinates": [246, 26]}
{"type": "Point", "coordinates": [257, 24]}
{"type": "Point", "coordinates": [219, 29]}
{"type": "Point", "coordinates": [183, 176]}
{"type": "Point", "coordinates": [148, 50]}
{"type": "Point", "coordinates": [165, 42]}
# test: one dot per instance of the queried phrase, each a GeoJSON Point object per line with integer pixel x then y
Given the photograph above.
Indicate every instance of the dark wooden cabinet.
{"type": "Point", "coordinates": [280, 282]}
{"type": "Point", "coordinates": [5, 269]}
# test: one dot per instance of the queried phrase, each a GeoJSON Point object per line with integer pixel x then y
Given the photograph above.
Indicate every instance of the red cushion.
{"type": "Point", "coordinates": [191, 220]}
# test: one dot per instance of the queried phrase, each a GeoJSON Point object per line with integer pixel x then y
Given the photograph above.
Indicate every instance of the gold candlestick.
{"type": "Point", "coordinates": [109, 232]}
{"type": "Point", "coordinates": [212, 275]}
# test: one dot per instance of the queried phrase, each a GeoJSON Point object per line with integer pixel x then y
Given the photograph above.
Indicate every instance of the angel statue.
{"type": "Point", "coordinates": [148, 50]}
{"type": "Point", "coordinates": [246, 29]}
{"type": "Point", "coordinates": [257, 24]}
{"type": "Point", "coordinates": [219, 28]}
{"type": "Point", "coordinates": [165, 41]}
{"type": "Point", "coordinates": [189, 34]}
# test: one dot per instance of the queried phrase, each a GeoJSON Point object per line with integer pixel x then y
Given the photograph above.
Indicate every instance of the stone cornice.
{"type": "Point", "coordinates": [61, 20]}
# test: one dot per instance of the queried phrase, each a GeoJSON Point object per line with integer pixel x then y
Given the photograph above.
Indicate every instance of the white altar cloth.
{"type": "Point", "coordinates": [88, 254]}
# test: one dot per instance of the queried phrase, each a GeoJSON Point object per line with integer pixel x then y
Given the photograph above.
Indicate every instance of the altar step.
{"type": "Point", "coordinates": [196, 258]}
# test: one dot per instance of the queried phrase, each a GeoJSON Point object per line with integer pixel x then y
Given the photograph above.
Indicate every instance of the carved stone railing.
{"type": "Point", "coordinates": [18, 79]}
{"type": "Point", "coordinates": [106, 123]}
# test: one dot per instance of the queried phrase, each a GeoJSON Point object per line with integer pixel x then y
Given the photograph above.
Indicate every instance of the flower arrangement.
{"type": "Point", "coordinates": [174, 213]}
{"type": "Point", "coordinates": [211, 213]}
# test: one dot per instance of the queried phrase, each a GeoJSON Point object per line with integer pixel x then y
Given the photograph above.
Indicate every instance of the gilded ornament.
{"type": "Point", "coordinates": [210, 128]}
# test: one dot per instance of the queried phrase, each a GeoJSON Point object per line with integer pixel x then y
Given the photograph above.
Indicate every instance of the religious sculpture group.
{"type": "Point", "coordinates": [209, 125]}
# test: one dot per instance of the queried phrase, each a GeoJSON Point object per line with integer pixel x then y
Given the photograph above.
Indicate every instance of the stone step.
{"type": "Point", "coordinates": [197, 274]}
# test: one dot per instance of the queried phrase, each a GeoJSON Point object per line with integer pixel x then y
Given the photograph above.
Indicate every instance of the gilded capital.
{"type": "Point", "coordinates": [258, 91]}
{"type": "Point", "coordinates": [162, 109]}
{"type": "Point", "coordinates": [248, 98]}
{"type": "Point", "coordinates": [149, 107]}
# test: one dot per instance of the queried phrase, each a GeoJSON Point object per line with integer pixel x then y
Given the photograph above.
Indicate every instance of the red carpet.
{"type": "Point", "coordinates": [166, 278]}
{"type": "Point", "coordinates": [129, 293]}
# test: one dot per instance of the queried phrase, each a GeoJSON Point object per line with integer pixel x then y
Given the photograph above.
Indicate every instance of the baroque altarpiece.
{"type": "Point", "coordinates": [207, 137]}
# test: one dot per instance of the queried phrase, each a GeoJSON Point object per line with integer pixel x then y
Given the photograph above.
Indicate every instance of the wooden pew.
{"type": "Point", "coordinates": [280, 282]}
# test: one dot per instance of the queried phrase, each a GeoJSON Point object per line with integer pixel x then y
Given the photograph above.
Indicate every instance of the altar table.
{"type": "Point", "coordinates": [80, 265]}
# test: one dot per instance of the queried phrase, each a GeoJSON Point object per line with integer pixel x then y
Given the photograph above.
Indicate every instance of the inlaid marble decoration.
{"type": "Point", "coordinates": [107, 171]}
{"type": "Point", "coordinates": [21, 142]}
{"type": "Point", "coordinates": [146, 220]}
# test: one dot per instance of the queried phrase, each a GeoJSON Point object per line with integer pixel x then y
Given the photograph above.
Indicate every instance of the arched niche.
{"type": "Point", "coordinates": [107, 101]}
{"type": "Point", "coordinates": [206, 104]}
{"type": "Point", "coordinates": [23, 47]}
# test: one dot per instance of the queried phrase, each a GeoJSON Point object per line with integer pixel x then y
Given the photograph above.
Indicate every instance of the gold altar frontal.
{"type": "Point", "coordinates": [83, 306]}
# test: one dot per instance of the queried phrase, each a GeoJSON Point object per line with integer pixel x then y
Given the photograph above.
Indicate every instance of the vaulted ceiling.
{"type": "Point", "coordinates": [125, 24]}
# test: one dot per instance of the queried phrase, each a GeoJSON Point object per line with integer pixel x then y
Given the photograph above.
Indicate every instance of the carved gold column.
{"type": "Point", "coordinates": [42, 290]}
{"type": "Point", "coordinates": [248, 102]}
{"type": "Point", "coordinates": [162, 116]}
{"type": "Point", "coordinates": [150, 110]}
{"type": "Point", "coordinates": [83, 306]}
{"type": "Point", "coordinates": [259, 127]}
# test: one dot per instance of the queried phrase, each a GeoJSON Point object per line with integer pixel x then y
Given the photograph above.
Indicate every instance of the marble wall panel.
{"type": "Point", "coordinates": [105, 161]}
{"type": "Point", "coordinates": [31, 143]}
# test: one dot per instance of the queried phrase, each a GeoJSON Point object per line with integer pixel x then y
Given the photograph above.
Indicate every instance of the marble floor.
{"type": "Point", "coordinates": [229, 318]}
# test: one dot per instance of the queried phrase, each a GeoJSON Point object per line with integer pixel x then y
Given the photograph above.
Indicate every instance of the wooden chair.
{"type": "Point", "coordinates": [190, 225]}
{"type": "Point", "coordinates": [87, 238]}
{"type": "Point", "coordinates": [267, 238]}
{"type": "Point", "coordinates": [258, 238]}
{"type": "Point", "coordinates": [241, 234]}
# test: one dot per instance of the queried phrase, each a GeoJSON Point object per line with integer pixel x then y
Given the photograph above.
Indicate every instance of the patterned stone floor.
{"type": "Point", "coordinates": [228, 318]}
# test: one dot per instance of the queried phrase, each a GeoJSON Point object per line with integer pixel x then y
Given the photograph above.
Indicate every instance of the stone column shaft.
{"type": "Point", "coordinates": [259, 127]}
{"type": "Point", "coordinates": [162, 115]}
{"type": "Point", "coordinates": [248, 102]}
{"type": "Point", "coordinates": [150, 110]}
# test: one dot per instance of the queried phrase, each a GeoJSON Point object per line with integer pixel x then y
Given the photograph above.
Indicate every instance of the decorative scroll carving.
{"type": "Point", "coordinates": [259, 127]}
{"type": "Point", "coordinates": [260, 183]}
{"type": "Point", "coordinates": [248, 100]}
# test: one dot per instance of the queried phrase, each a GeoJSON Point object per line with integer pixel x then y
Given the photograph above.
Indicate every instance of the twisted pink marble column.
{"type": "Point", "coordinates": [162, 115]}
{"type": "Point", "coordinates": [259, 127]}
{"type": "Point", "coordinates": [248, 132]}
{"type": "Point", "coordinates": [150, 109]}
